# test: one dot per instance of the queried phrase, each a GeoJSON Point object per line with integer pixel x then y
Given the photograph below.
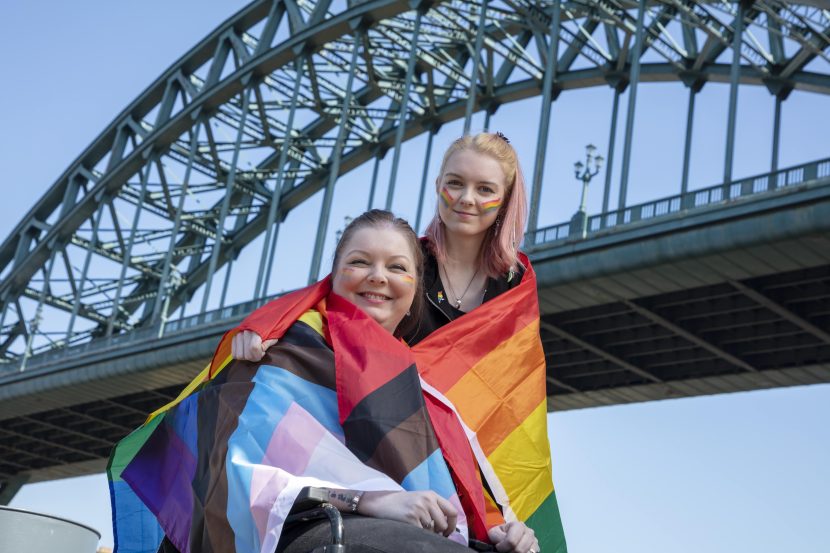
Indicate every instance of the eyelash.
{"type": "Point", "coordinates": [364, 262]}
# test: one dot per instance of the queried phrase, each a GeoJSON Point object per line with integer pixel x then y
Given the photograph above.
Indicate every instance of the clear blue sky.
{"type": "Point", "coordinates": [730, 473]}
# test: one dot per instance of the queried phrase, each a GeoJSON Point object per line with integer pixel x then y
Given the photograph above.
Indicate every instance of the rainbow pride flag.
{"type": "Point", "coordinates": [489, 366]}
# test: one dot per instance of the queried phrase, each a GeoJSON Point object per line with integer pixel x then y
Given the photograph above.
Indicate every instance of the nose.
{"type": "Point", "coordinates": [377, 274]}
{"type": "Point", "coordinates": [467, 197]}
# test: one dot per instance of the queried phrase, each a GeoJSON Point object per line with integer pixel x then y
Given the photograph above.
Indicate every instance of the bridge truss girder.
{"type": "Point", "coordinates": [250, 124]}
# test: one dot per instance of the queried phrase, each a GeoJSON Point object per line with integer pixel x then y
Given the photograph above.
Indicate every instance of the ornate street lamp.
{"type": "Point", "coordinates": [585, 172]}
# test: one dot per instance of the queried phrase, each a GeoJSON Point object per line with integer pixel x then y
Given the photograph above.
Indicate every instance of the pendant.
{"type": "Point", "coordinates": [458, 304]}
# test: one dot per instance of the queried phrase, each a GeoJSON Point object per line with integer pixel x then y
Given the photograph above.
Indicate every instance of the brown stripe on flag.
{"type": "Point", "coordinates": [220, 404]}
{"type": "Point", "coordinates": [383, 410]}
{"type": "Point", "coordinates": [313, 364]}
{"type": "Point", "coordinates": [405, 447]}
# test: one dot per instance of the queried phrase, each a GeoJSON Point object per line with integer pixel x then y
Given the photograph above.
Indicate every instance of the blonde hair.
{"type": "Point", "coordinates": [499, 252]}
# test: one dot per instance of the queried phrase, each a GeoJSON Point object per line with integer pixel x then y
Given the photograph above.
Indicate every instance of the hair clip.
{"type": "Point", "coordinates": [501, 135]}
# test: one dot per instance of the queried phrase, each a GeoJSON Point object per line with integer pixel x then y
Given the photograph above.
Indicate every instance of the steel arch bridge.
{"type": "Point", "coordinates": [264, 115]}
{"type": "Point", "coordinates": [286, 96]}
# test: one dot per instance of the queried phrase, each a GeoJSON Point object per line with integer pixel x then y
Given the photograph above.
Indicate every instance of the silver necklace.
{"type": "Point", "coordinates": [452, 289]}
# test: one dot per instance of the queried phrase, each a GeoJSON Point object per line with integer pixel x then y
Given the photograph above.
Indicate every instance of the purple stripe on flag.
{"type": "Point", "coordinates": [161, 476]}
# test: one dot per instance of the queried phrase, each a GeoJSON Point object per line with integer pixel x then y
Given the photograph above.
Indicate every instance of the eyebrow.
{"type": "Point", "coordinates": [449, 174]}
{"type": "Point", "coordinates": [362, 252]}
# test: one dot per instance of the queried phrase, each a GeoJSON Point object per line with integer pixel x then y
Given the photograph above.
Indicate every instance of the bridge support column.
{"type": "Point", "coordinates": [733, 97]}
{"type": "Point", "coordinates": [328, 193]}
{"type": "Point", "coordinates": [223, 213]}
{"type": "Point", "coordinates": [79, 291]}
{"type": "Point", "coordinates": [165, 286]}
{"type": "Point", "coordinates": [38, 311]}
{"type": "Point", "coordinates": [544, 123]}
{"type": "Point", "coordinates": [269, 244]}
{"type": "Point", "coordinates": [632, 102]}
{"type": "Point", "coordinates": [471, 99]}
{"type": "Point", "coordinates": [11, 488]}
{"type": "Point", "coordinates": [410, 69]}
{"type": "Point", "coordinates": [776, 133]}
{"type": "Point", "coordinates": [612, 139]}
{"type": "Point", "coordinates": [128, 253]}
{"type": "Point", "coordinates": [424, 179]}
{"type": "Point", "coordinates": [687, 143]}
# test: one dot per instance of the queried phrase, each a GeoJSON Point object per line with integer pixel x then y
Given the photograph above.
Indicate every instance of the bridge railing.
{"type": "Point", "coordinates": [695, 199]}
{"type": "Point", "coordinates": [561, 233]}
{"type": "Point", "coordinates": [156, 331]}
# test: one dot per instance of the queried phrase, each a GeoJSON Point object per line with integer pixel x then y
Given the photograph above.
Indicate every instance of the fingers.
{"type": "Point", "coordinates": [426, 510]}
{"type": "Point", "coordinates": [248, 346]}
{"type": "Point", "coordinates": [513, 537]}
{"type": "Point", "coordinates": [450, 512]}
{"type": "Point", "coordinates": [437, 520]}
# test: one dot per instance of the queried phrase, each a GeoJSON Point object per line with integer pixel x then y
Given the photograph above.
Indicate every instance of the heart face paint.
{"type": "Point", "coordinates": [447, 197]}
{"type": "Point", "coordinates": [491, 205]}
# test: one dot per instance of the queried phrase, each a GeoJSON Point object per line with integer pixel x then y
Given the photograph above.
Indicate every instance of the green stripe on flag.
{"type": "Point", "coordinates": [128, 447]}
{"type": "Point", "coordinates": [547, 524]}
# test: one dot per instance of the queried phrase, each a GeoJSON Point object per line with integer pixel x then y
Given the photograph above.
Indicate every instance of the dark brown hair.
{"type": "Point", "coordinates": [378, 218]}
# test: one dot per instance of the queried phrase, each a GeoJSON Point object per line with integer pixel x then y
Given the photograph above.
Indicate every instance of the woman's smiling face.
{"type": "Point", "coordinates": [376, 271]}
{"type": "Point", "coordinates": [471, 190]}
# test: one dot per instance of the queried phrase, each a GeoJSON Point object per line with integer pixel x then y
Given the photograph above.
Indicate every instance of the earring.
{"type": "Point", "coordinates": [498, 224]}
{"type": "Point", "coordinates": [407, 313]}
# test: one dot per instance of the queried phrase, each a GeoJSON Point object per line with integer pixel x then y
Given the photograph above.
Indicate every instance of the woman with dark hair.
{"type": "Point", "coordinates": [480, 323]}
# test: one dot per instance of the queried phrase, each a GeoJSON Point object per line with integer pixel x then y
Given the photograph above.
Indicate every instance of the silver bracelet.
{"type": "Point", "coordinates": [355, 501]}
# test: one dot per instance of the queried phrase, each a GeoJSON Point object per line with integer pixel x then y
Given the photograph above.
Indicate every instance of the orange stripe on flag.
{"type": "Point", "coordinates": [502, 389]}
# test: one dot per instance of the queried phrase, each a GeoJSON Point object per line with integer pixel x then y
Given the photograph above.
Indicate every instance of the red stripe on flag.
{"type": "Point", "coordinates": [447, 354]}
{"type": "Point", "coordinates": [366, 355]}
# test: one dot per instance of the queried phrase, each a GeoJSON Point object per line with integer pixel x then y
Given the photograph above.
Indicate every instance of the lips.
{"type": "Point", "coordinates": [464, 213]}
{"type": "Point", "coordinates": [374, 297]}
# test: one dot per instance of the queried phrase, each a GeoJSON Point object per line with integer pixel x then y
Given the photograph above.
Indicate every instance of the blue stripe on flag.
{"type": "Point", "coordinates": [431, 474]}
{"type": "Point", "coordinates": [135, 529]}
{"type": "Point", "coordinates": [275, 390]}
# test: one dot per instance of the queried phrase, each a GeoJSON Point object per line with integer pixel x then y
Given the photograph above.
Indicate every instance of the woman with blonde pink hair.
{"type": "Point", "coordinates": [472, 242]}
{"type": "Point", "coordinates": [471, 256]}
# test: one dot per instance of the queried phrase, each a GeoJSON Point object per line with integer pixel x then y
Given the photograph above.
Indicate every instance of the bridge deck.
{"type": "Point", "coordinates": [730, 297]}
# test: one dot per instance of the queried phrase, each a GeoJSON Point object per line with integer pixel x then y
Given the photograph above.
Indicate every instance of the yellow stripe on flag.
{"type": "Point", "coordinates": [195, 383]}
{"type": "Point", "coordinates": [314, 319]}
{"type": "Point", "coordinates": [522, 464]}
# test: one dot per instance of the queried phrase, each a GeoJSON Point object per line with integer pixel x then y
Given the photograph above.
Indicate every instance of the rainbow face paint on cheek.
{"type": "Point", "coordinates": [491, 205]}
{"type": "Point", "coordinates": [446, 197]}
{"type": "Point", "coordinates": [408, 279]}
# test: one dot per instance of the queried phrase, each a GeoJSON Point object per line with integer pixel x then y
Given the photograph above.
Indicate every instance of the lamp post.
{"type": "Point", "coordinates": [585, 172]}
